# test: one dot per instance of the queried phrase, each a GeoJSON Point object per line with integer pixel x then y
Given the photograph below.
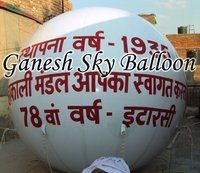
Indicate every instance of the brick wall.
{"type": "Point", "coordinates": [183, 43]}
{"type": "Point", "coordinates": [40, 9]}
{"type": "Point", "coordinates": [149, 17]}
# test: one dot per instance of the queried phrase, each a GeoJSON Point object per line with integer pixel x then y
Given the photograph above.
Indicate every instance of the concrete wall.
{"type": "Point", "coordinates": [14, 31]}
{"type": "Point", "coordinates": [20, 18]}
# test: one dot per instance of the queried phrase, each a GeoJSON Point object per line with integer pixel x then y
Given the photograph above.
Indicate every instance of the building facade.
{"type": "Point", "coordinates": [19, 19]}
{"type": "Point", "coordinates": [41, 10]}
{"type": "Point", "coordinates": [185, 45]}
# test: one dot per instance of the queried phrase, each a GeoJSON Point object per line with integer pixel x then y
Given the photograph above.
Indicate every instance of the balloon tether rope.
{"type": "Point", "coordinates": [3, 139]}
{"type": "Point", "coordinates": [46, 152]}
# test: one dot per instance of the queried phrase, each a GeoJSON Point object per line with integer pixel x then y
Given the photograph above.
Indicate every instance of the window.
{"type": "Point", "coordinates": [194, 54]}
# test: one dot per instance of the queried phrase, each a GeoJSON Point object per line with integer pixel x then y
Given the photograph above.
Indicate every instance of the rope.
{"type": "Point", "coordinates": [188, 129]}
{"type": "Point", "coordinates": [44, 142]}
{"type": "Point", "coordinates": [3, 139]}
{"type": "Point", "coordinates": [46, 149]}
{"type": "Point", "coordinates": [122, 147]}
{"type": "Point", "coordinates": [123, 143]}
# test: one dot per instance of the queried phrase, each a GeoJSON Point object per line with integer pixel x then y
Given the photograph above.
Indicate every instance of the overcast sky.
{"type": "Point", "coordinates": [169, 13]}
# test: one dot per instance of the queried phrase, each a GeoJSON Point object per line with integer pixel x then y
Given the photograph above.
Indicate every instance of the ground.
{"type": "Point", "coordinates": [181, 156]}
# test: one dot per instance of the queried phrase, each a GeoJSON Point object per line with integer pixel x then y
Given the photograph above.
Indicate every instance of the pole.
{"type": "Point", "coordinates": [62, 2]}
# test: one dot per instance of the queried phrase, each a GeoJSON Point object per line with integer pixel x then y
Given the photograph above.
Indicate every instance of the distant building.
{"type": "Point", "coordinates": [149, 17]}
{"type": "Point", "coordinates": [187, 45]}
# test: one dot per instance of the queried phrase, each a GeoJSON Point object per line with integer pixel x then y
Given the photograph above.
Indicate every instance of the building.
{"type": "Point", "coordinates": [187, 45]}
{"type": "Point", "coordinates": [19, 19]}
{"type": "Point", "coordinates": [41, 10]}
{"type": "Point", "coordinates": [149, 17]}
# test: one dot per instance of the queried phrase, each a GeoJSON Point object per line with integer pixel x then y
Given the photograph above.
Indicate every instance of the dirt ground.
{"type": "Point", "coordinates": [15, 157]}
{"type": "Point", "coordinates": [182, 156]}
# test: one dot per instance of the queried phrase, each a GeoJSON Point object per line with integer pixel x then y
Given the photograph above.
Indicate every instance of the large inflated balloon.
{"type": "Point", "coordinates": [71, 118]}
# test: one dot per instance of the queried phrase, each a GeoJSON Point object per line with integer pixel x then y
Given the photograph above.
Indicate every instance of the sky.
{"type": "Point", "coordinates": [170, 14]}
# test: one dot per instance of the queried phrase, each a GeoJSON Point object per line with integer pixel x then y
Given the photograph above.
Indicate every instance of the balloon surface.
{"type": "Point", "coordinates": [78, 112]}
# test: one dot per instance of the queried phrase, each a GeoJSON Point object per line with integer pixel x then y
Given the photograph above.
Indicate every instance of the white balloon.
{"type": "Point", "coordinates": [72, 146]}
